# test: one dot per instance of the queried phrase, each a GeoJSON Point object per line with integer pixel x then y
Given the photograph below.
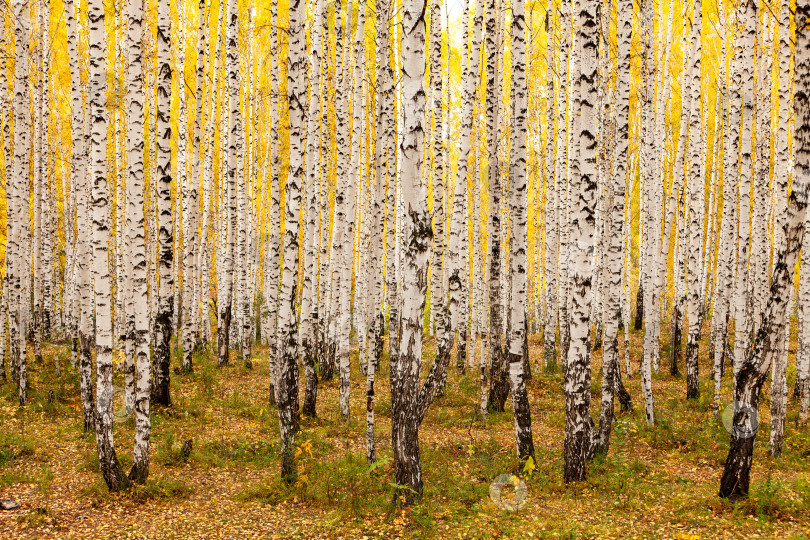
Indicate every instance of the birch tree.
{"type": "Point", "coordinates": [17, 222]}
{"type": "Point", "coordinates": [783, 156]}
{"type": "Point", "coordinates": [309, 300]}
{"type": "Point", "coordinates": [417, 232]}
{"type": "Point", "coordinates": [165, 224]}
{"type": "Point", "coordinates": [191, 207]}
{"type": "Point", "coordinates": [234, 119]}
{"type": "Point", "coordinates": [287, 387]}
{"type": "Point", "coordinates": [518, 262]}
{"type": "Point", "coordinates": [135, 230]}
{"type": "Point", "coordinates": [107, 458]}
{"type": "Point", "coordinates": [611, 371]}
{"type": "Point", "coordinates": [498, 383]}
{"type": "Point", "coordinates": [696, 188]}
{"type": "Point", "coordinates": [769, 340]}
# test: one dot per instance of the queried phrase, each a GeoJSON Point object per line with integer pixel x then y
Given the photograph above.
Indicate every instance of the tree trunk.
{"type": "Point", "coordinates": [769, 340]}
{"type": "Point", "coordinates": [136, 246]}
{"type": "Point", "coordinates": [18, 229]}
{"type": "Point", "coordinates": [191, 208]}
{"type": "Point", "coordinates": [696, 198]}
{"type": "Point", "coordinates": [418, 233]}
{"type": "Point", "coordinates": [725, 270]}
{"type": "Point", "coordinates": [108, 461]}
{"type": "Point", "coordinates": [499, 379]}
{"type": "Point", "coordinates": [577, 370]}
{"type": "Point", "coordinates": [165, 301]}
{"type": "Point", "coordinates": [309, 301]}
{"type": "Point", "coordinates": [779, 390]}
{"type": "Point", "coordinates": [611, 372]}
{"type": "Point", "coordinates": [742, 315]}
{"type": "Point", "coordinates": [519, 195]}
{"type": "Point", "coordinates": [234, 122]}
{"type": "Point", "coordinates": [287, 386]}
{"type": "Point", "coordinates": [803, 346]}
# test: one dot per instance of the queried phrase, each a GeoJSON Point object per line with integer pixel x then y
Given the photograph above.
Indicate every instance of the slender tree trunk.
{"type": "Point", "coordinates": [725, 270]}
{"type": "Point", "coordinates": [287, 387]}
{"type": "Point", "coordinates": [696, 200]}
{"type": "Point", "coordinates": [803, 346]}
{"type": "Point", "coordinates": [518, 196]}
{"type": "Point", "coordinates": [234, 123]}
{"type": "Point", "coordinates": [437, 308]}
{"type": "Point", "coordinates": [382, 156]}
{"type": "Point", "coordinates": [17, 222]}
{"type": "Point", "coordinates": [611, 372]}
{"type": "Point", "coordinates": [417, 231]}
{"type": "Point", "coordinates": [351, 179]}
{"type": "Point", "coordinates": [551, 222]}
{"type": "Point", "coordinates": [577, 371]}
{"type": "Point", "coordinates": [742, 325]}
{"type": "Point", "coordinates": [137, 248]}
{"type": "Point", "coordinates": [499, 381]}
{"type": "Point", "coordinates": [309, 301]}
{"type": "Point", "coordinates": [100, 194]}
{"type": "Point", "coordinates": [272, 253]}
{"type": "Point", "coordinates": [783, 158]}
{"type": "Point", "coordinates": [769, 340]}
{"type": "Point", "coordinates": [165, 224]}
{"type": "Point", "coordinates": [191, 208]}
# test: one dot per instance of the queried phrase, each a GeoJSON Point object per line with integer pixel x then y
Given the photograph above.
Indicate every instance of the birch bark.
{"type": "Point", "coordinates": [100, 195]}
{"type": "Point", "coordinates": [287, 387]}
{"type": "Point", "coordinates": [136, 246]}
{"type": "Point", "coordinates": [165, 224]}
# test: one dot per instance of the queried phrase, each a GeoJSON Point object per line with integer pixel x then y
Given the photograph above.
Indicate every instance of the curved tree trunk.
{"type": "Point", "coordinates": [769, 340]}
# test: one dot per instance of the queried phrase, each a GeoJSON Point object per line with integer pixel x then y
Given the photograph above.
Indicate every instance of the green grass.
{"type": "Point", "coordinates": [655, 481]}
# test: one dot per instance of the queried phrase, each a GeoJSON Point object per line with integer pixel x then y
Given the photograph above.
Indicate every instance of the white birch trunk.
{"type": "Point", "coordinates": [287, 383]}
{"type": "Point", "coordinates": [100, 195]}
{"type": "Point", "coordinates": [165, 224]}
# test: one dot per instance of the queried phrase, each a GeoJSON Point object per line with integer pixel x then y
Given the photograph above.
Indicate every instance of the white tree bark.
{"type": "Point", "coordinates": [272, 253]}
{"type": "Point", "coordinates": [136, 246]}
{"type": "Point", "coordinates": [647, 236]}
{"type": "Point", "coordinates": [696, 202]}
{"type": "Point", "coordinates": [100, 195]}
{"type": "Point", "coordinates": [801, 149]}
{"type": "Point", "coordinates": [552, 214]}
{"type": "Point", "coordinates": [499, 381]}
{"type": "Point", "coordinates": [417, 232]}
{"type": "Point", "coordinates": [191, 207]}
{"type": "Point", "coordinates": [437, 313]}
{"type": "Point", "coordinates": [783, 159]}
{"type": "Point", "coordinates": [519, 245]}
{"type": "Point", "coordinates": [742, 315]}
{"type": "Point", "coordinates": [769, 340]}
{"type": "Point", "coordinates": [234, 127]}
{"type": "Point", "coordinates": [803, 346]}
{"type": "Point", "coordinates": [165, 224]}
{"type": "Point", "coordinates": [17, 227]}
{"type": "Point", "coordinates": [309, 300]}
{"type": "Point", "coordinates": [287, 384]}
{"type": "Point", "coordinates": [577, 370]}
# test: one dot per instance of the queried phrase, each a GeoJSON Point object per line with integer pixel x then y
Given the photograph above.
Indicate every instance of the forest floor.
{"type": "Point", "coordinates": [658, 482]}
